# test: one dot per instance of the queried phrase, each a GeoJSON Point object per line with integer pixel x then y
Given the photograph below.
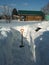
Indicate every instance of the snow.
{"type": "Point", "coordinates": [3, 33]}
{"type": "Point", "coordinates": [36, 44]}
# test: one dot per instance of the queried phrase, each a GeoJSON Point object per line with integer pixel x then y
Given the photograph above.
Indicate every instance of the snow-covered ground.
{"type": "Point", "coordinates": [36, 43]}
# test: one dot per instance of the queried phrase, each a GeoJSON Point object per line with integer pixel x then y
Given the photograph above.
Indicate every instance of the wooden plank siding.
{"type": "Point", "coordinates": [31, 18]}
{"type": "Point", "coordinates": [31, 15]}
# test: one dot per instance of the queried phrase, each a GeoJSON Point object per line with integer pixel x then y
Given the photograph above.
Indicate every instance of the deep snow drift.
{"type": "Point", "coordinates": [10, 51]}
{"type": "Point", "coordinates": [36, 44]}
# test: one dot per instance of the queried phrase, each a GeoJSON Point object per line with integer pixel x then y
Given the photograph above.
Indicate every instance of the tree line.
{"type": "Point", "coordinates": [7, 14]}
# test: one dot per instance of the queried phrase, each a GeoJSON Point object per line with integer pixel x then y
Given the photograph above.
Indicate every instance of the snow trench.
{"type": "Point", "coordinates": [10, 51]}
{"type": "Point", "coordinates": [34, 52]}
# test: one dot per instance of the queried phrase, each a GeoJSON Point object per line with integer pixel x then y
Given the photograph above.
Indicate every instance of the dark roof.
{"type": "Point", "coordinates": [24, 12]}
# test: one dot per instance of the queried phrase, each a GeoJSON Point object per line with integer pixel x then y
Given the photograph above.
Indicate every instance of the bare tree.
{"type": "Point", "coordinates": [45, 9]}
{"type": "Point", "coordinates": [7, 13]}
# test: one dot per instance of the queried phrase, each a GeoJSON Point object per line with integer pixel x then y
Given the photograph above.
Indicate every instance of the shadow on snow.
{"type": "Point", "coordinates": [42, 49]}
{"type": "Point", "coordinates": [11, 53]}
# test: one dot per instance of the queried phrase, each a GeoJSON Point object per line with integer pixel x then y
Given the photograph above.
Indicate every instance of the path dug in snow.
{"type": "Point", "coordinates": [36, 47]}
{"type": "Point", "coordinates": [10, 51]}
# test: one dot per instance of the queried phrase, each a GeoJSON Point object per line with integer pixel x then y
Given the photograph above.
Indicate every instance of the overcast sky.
{"type": "Point", "coordinates": [25, 4]}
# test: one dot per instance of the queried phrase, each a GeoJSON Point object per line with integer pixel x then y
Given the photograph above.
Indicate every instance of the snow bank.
{"type": "Point", "coordinates": [42, 48]}
{"type": "Point", "coordinates": [36, 47]}
{"type": "Point", "coordinates": [10, 51]}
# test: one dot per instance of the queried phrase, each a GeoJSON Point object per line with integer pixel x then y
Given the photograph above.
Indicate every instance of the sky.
{"type": "Point", "coordinates": [24, 4]}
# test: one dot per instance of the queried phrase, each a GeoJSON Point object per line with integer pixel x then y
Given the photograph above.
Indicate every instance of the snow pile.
{"type": "Point", "coordinates": [10, 51]}
{"type": "Point", "coordinates": [42, 48]}
{"type": "Point", "coordinates": [36, 47]}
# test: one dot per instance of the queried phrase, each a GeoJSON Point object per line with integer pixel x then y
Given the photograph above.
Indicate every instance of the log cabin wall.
{"type": "Point", "coordinates": [31, 15]}
{"type": "Point", "coordinates": [33, 18]}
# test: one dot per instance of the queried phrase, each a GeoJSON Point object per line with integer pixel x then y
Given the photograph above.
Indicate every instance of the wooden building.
{"type": "Point", "coordinates": [30, 15]}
